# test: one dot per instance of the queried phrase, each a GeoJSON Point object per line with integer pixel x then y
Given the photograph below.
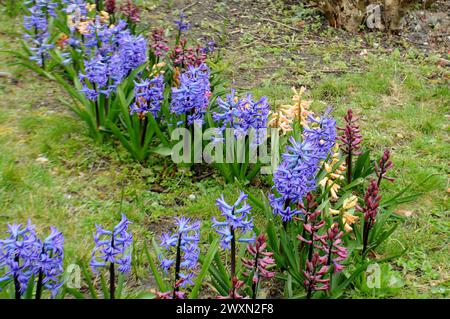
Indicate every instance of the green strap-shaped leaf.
{"type": "Point", "coordinates": [206, 263]}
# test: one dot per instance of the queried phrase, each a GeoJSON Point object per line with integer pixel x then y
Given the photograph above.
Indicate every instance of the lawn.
{"type": "Point", "coordinates": [52, 172]}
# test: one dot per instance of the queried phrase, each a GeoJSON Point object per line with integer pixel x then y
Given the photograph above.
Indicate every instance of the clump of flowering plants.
{"type": "Point", "coordinates": [178, 273]}
{"type": "Point", "coordinates": [123, 84]}
{"type": "Point", "coordinates": [240, 128]}
{"type": "Point", "coordinates": [168, 94]}
{"type": "Point", "coordinates": [111, 263]}
{"type": "Point", "coordinates": [244, 269]}
{"type": "Point", "coordinates": [112, 251]}
{"type": "Point", "coordinates": [322, 222]}
{"type": "Point", "coordinates": [112, 58]}
{"type": "Point", "coordinates": [31, 265]}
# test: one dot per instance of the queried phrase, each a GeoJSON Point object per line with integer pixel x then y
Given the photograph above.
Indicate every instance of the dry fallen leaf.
{"type": "Point", "coordinates": [404, 212]}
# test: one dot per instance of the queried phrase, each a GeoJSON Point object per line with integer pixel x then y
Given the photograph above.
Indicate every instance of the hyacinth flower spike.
{"type": "Point", "coordinates": [49, 264]}
{"type": "Point", "coordinates": [258, 265]}
{"type": "Point", "coordinates": [131, 12]}
{"type": "Point", "coordinates": [182, 244]}
{"type": "Point", "coordinates": [316, 269]}
{"type": "Point", "coordinates": [350, 141]}
{"type": "Point", "coordinates": [110, 7]}
{"type": "Point", "coordinates": [182, 26]}
{"type": "Point", "coordinates": [37, 29]}
{"type": "Point", "coordinates": [237, 220]}
{"type": "Point", "coordinates": [331, 245]}
{"type": "Point", "coordinates": [383, 166]}
{"type": "Point", "coordinates": [191, 98]}
{"type": "Point", "coordinates": [18, 254]}
{"type": "Point", "coordinates": [112, 248]}
{"type": "Point", "coordinates": [370, 210]}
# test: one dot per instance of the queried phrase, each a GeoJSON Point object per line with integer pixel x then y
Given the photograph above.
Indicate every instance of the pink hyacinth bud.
{"type": "Point", "coordinates": [131, 11]}
{"type": "Point", "coordinates": [372, 201]}
{"type": "Point", "coordinates": [383, 166]}
{"type": "Point", "coordinates": [110, 6]}
{"type": "Point", "coordinates": [351, 137]}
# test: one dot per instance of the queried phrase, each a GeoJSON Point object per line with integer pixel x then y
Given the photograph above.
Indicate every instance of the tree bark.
{"type": "Point", "coordinates": [351, 14]}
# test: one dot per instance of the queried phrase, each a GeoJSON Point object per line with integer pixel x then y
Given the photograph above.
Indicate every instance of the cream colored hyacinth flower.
{"type": "Point", "coordinates": [287, 114]}
{"type": "Point", "coordinates": [91, 7]}
{"type": "Point", "coordinates": [333, 177]}
{"type": "Point", "coordinates": [348, 219]}
{"type": "Point", "coordinates": [104, 16]}
{"type": "Point", "coordinates": [82, 26]}
{"type": "Point", "coordinates": [156, 69]}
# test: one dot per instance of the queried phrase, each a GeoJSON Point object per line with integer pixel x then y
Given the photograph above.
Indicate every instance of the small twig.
{"type": "Point", "coordinates": [280, 23]}
{"type": "Point", "coordinates": [190, 6]}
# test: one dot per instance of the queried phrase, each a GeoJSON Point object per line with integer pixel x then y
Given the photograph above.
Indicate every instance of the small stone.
{"type": "Point", "coordinates": [192, 197]}
{"type": "Point", "coordinates": [404, 212]}
{"type": "Point", "coordinates": [42, 160]}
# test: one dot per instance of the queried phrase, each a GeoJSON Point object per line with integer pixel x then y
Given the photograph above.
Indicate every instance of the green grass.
{"type": "Point", "coordinates": [403, 103]}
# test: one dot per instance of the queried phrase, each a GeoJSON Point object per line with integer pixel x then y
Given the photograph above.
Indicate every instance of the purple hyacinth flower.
{"type": "Point", "coordinates": [191, 98]}
{"type": "Point", "coordinates": [36, 29]}
{"type": "Point", "coordinates": [50, 261]}
{"type": "Point", "coordinates": [237, 218]}
{"type": "Point", "coordinates": [18, 254]}
{"type": "Point", "coordinates": [245, 116]}
{"type": "Point", "coordinates": [322, 133]}
{"type": "Point", "coordinates": [114, 53]}
{"type": "Point", "coordinates": [149, 96]}
{"type": "Point", "coordinates": [113, 247]}
{"type": "Point", "coordinates": [296, 175]}
{"type": "Point", "coordinates": [182, 24]}
{"type": "Point", "coordinates": [184, 240]}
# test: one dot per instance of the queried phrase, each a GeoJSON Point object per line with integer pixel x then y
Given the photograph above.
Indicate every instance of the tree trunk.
{"type": "Point", "coordinates": [351, 14]}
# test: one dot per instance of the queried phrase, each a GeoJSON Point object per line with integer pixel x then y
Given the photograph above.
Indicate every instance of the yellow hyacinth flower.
{"type": "Point", "coordinates": [156, 69]}
{"type": "Point", "coordinates": [280, 120]}
{"type": "Point", "coordinates": [176, 76]}
{"type": "Point", "coordinates": [350, 202]}
{"type": "Point", "coordinates": [287, 114]}
{"type": "Point", "coordinates": [104, 17]}
{"type": "Point", "coordinates": [300, 106]}
{"type": "Point", "coordinates": [331, 180]}
{"type": "Point", "coordinates": [334, 211]}
{"type": "Point", "coordinates": [83, 27]}
{"type": "Point", "coordinates": [91, 7]}
{"type": "Point", "coordinates": [348, 219]}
